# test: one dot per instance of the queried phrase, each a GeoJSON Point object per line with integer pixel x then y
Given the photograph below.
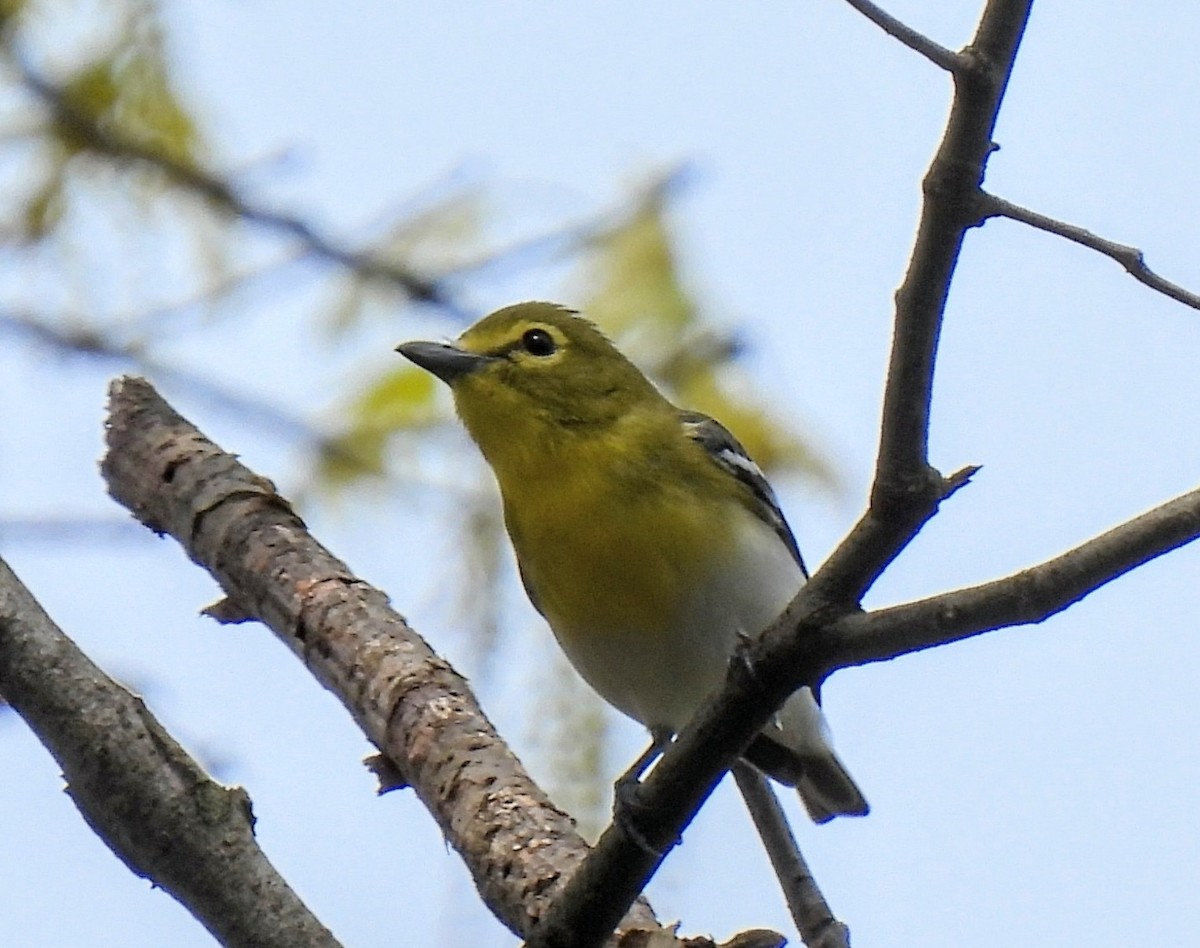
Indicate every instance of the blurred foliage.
{"type": "Point", "coordinates": [439, 237]}
{"type": "Point", "coordinates": [635, 286]}
{"type": "Point", "coordinates": [401, 400]}
{"type": "Point", "coordinates": [116, 79]}
{"type": "Point", "coordinates": [569, 733]}
{"type": "Point", "coordinates": [636, 293]}
{"type": "Point", "coordinates": [106, 181]}
{"type": "Point", "coordinates": [128, 92]}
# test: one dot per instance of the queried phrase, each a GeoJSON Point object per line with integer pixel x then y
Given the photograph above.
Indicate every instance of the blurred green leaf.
{"type": "Point", "coordinates": [347, 458]}
{"type": "Point", "coordinates": [634, 279]}
{"type": "Point", "coordinates": [638, 296]}
{"type": "Point", "coordinates": [43, 211]}
{"type": "Point", "coordinates": [129, 93]}
{"type": "Point", "coordinates": [124, 89]}
{"type": "Point", "coordinates": [402, 399]}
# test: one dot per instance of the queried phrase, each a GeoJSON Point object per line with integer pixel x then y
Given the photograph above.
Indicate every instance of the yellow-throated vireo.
{"type": "Point", "coordinates": [644, 534]}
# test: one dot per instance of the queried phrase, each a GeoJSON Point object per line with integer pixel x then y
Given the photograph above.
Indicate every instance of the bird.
{"type": "Point", "coordinates": [644, 534]}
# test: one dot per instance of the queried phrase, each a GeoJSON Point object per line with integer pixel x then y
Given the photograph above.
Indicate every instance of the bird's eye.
{"type": "Point", "coordinates": [538, 342]}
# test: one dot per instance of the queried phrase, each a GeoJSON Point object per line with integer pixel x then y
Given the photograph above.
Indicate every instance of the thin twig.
{"type": "Point", "coordinates": [906, 489]}
{"type": "Point", "coordinates": [814, 919]}
{"type": "Point", "coordinates": [1131, 258]}
{"type": "Point", "coordinates": [1031, 596]}
{"type": "Point", "coordinates": [93, 342]}
{"type": "Point", "coordinates": [562, 242]}
{"type": "Point", "coordinates": [918, 42]}
{"type": "Point", "coordinates": [555, 244]}
{"type": "Point", "coordinates": [223, 195]}
{"type": "Point", "coordinates": [163, 318]}
{"type": "Point", "coordinates": [73, 530]}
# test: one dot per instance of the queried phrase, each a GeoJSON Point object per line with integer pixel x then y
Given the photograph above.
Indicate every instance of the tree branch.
{"type": "Point", "coordinates": [814, 919]}
{"type": "Point", "coordinates": [99, 138]}
{"type": "Point", "coordinates": [907, 490]}
{"type": "Point", "coordinates": [410, 703]}
{"type": "Point", "coordinates": [904, 496]}
{"type": "Point", "coordinates": [96, 342]}
{"type": "Point", "coordinates": [1031, 596]}
{"type": "Point", "coordinates": [804, 646]}
{"type": "Point", "coordinates": [917, 42]}
{"type": "Point", "coordinates": [1129, 257]}
{"type": "Point", "coordinates": [137, 788]}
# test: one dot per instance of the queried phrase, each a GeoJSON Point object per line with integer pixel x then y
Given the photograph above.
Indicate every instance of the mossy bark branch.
{"type": "Point", "coordinates": [150, 802]}
{"type": "Point", "coordinates": [409, 702]}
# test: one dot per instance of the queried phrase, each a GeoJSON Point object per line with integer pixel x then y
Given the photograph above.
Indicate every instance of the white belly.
{"type": "Point", "coordinates": [660, 677]}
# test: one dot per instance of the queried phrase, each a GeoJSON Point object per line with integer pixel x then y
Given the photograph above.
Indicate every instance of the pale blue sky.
{"type": "Point", "coordinates": [1036, 785]}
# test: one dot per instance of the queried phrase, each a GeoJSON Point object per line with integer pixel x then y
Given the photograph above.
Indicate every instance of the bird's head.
{"type": "Point", "coordinates": [534, 373]}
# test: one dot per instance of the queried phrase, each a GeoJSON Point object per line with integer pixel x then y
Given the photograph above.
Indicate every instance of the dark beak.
{"type": "Point", "coordinates": [448, 363]}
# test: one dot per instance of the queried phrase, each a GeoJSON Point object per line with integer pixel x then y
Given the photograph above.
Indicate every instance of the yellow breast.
{"type": "Point", "coordinates": [598, 560]}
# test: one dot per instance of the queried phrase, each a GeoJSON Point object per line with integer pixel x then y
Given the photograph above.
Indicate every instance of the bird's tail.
{"type": "Point", "coordinates": [798, 752]}
{"type": "Point", "coordinates": [827, 789]}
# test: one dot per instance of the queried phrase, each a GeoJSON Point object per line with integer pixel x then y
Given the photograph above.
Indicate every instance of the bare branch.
{"type": "Point", "coordinates": [1130, 258]}
{"type": "Point", "coordinates": [918, 42]}
{"type": "Point", "coordinates": [807, 643]}
{"type": "Point", "coordinates": [1033, 595]}
{"type": "Point", "coordinates": [814, 920]}
{"type": "Point", "coordinates": [138, 789]}
{"type": "Point", "coordinates": [80, 338]}
{"type": "Point", "coordinates": [409, 702]}
{"type": "Point", "coordinates": [907, 490]}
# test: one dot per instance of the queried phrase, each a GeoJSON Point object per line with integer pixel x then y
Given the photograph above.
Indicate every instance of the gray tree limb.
{"type": "Point", "coordinates": [144, 796]}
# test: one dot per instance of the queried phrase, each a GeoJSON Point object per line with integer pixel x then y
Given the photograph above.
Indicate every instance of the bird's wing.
{"type": "Point", "coordinates": [726, 452]}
